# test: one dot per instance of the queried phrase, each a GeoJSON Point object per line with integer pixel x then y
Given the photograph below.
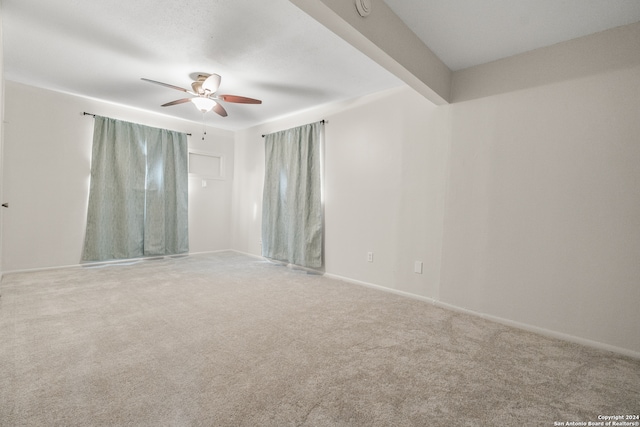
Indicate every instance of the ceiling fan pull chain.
{"type": "Point", "coordinates": [204, 129]}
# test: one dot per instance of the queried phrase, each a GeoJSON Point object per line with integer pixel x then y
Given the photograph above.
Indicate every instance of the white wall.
{"type": "Point", "coordinates": [542, 225]}
{"type": "Point", "coordinates": [46, 177]}
{"type": "Point", "coordinates": [385, 164]}
{"type": "Point", "coordinates": [539, 175]}
{"type": "Point", "coordinates": [1, 134]}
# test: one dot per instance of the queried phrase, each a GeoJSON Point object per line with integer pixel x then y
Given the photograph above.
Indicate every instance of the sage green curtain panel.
{"type": "Point", "coordinates": [292, 217]}
{"type": "Point", "coordinates": [165, 225]}
{"type": "Point", "coordinates": [138, 193]}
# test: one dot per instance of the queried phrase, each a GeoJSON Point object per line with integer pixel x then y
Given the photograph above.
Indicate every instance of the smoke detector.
{"type": "Point", "coordinates": [364, 7]}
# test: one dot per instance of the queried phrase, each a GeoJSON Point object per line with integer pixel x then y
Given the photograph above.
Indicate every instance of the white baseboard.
{"type": "Point", "coordinates": [98, 264]}
{"type": "Point", "coordinates": [531, 328]}
{"type": "Point", "coordinates": [523, 326]}
{"type": "Point", "coordinates": [247, 254]}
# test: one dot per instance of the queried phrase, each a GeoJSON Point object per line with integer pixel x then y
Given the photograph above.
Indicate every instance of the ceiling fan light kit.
{"type": "Point", "coordinates": [363, 7]}
{"type": "Point", "coordinates": [205, 97]}
{"type": "Point", "coordinates": [203, 104]}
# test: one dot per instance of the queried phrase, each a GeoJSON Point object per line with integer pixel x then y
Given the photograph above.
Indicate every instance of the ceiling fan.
{"type": "Point", "coordinates": [205, 97]}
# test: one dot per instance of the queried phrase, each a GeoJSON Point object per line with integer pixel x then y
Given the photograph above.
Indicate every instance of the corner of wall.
{"type": "Point", "coordinates": [1, 141]}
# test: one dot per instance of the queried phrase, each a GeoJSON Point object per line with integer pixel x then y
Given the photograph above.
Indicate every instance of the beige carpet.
{"type": "Point", "coordinates": [229, 340]}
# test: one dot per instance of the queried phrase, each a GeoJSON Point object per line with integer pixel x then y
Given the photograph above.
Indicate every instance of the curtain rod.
{"type": "Point", "coordinates": [323, 121]}
{"type": "Point", "coordinates": [84, 113]}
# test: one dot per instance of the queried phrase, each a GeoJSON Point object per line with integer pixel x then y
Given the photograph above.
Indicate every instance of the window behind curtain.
{"type": "Point", "coordinates": [138, 194]}
{"type": "Point", "coordinates": [292, 217]}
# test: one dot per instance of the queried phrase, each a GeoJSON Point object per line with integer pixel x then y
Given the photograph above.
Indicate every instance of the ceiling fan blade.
{"type": "Point", "coordinates": [220, 110]}
{"type": "Point", "coordinates": [212, 83]}
{"type": "Point", "coordinates": [176, 102]}
{"type": "Point", "coordinates": [239, 99]}
{"type": "Point", "coordinates": [166, 85]}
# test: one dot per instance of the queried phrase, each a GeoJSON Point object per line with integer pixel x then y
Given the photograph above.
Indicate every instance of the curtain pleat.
{"type": "Point", "coordinates": [292, 219]}
{"type": "Point", "coordinates": [165, 227]}
{"type": "Point", "coordinates": [138, 192]}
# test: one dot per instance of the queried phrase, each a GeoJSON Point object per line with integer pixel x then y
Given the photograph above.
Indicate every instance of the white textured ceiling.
{"type": "Point", "coordinates": [262, 49]}
{"type": "Point", "coordinates": [268, 50]}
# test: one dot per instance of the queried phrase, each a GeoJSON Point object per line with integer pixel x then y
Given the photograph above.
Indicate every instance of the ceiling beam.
{"type": "Point", "coordinates": [383, 37]}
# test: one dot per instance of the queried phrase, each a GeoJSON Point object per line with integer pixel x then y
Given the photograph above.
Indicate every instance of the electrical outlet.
{"type": "Point", "coordinates": [417, 267]}
{"type": "Point", "coordinates": [369, 256]}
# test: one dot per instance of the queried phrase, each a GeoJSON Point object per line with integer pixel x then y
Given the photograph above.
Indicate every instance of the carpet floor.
{"type": "Point", "coordinates": [229, 340]}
